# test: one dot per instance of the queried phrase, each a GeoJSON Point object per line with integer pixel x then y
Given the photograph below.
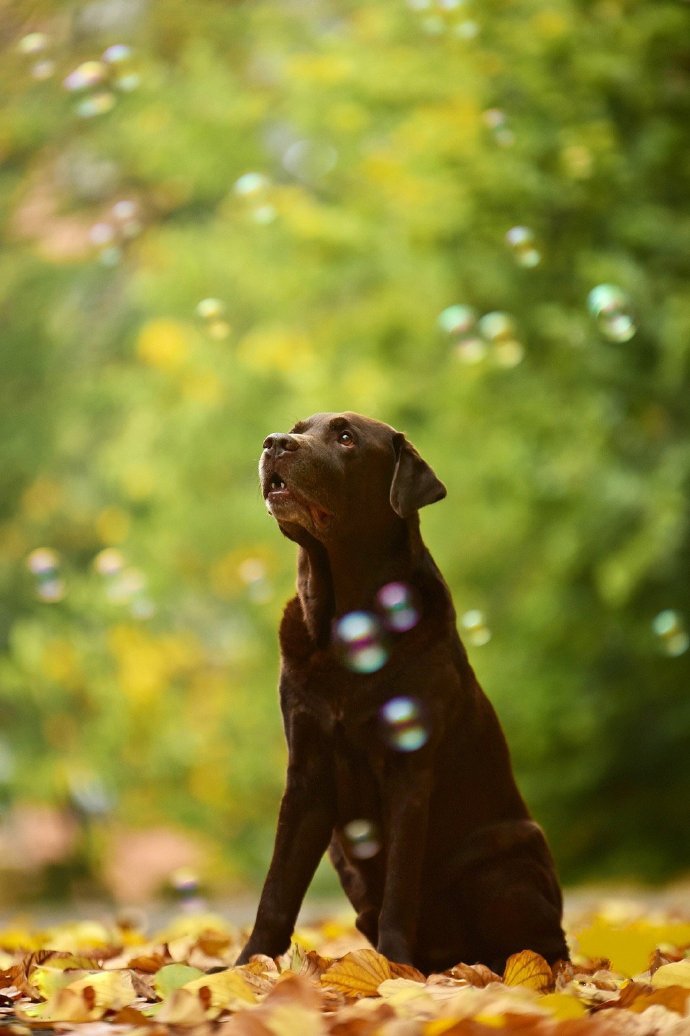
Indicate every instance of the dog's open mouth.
{"type": "Point", "coordinates": [284, 502]}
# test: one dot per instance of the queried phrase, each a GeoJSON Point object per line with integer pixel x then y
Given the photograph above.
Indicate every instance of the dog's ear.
{"type": "Point", "coordinates": [414, 484]}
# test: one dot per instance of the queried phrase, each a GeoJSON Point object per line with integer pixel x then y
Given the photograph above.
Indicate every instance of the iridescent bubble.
{"type": "Point", "coordinates": [42, 70]}
{"type": "Point", "coordinates": [457, 320]}
{"type": "Point", "coordinates": [476, 630]}
{"type": "Point", "coordinates": [213, 314]}
{"type": "Point", "coordinates": [359, 638]}
{"type": "Point", "coordinates": [253, 190]}
{"type": "Point", "coordinates": [44, 564]}
{"type": "Point", "coordinates": [33, 43]}
{"type": "Point", "coordinates": [669, 627]}
{"type": "Point", "coordinates": [497, 122]}
{"type": "Point", "coordinates": [497, 327]}
{"type": "Point", "coordinates": [610, 307]}
{"type": "Point", "coordinates": [251, 185]}
{"type": "Point", "coordinates": [109, 562]}
{"type": "Point", "coordinates": [89, 794]}
{"type": "Point", "coordinates": [120, 60]}
{"type": "Point", "coordinates": [127, 215]}
{"type": "Point", "coordinates": [500, 332]}
{"type": "Point", "coordinates": [397, 603]}
{"type": "Point", "coordinates": [460, 323]}
{"type": "Point", "coordinates": [252, 572]}
{"type": "Point", "coordinates": [87, 76]}
{"type": "Point", "coordinates": [100, 102]}
{"type": "Point", "coordinates": [310, 160]}
{"type": "Point", "coordinates": [522, 242]}
{"type": "Point", "coordinates": [403, 724]}
{"type": "Point", "coordinates": [363, 839]}
{"type": "Point", "coordinates": [186, 884]}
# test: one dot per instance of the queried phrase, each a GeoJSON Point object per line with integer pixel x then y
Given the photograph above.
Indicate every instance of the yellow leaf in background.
{"type": "Point", "coordinates": [676, 974]}
{"type": "Point", "coordinates": [359, 973]}
{"type": "Point", "coordinates": [629, 946]}
{"type": "Point", "coordinates": [528, 969]}
{"type": "Point", "coordinates": [195, 925]}
{"type": "Point", "coordinates": [48, 980]}
{"type": "Point", "coordinates": [76, 936]}
{"type": "Point", "coordinates": [163, 344]}
{"type": "Point", "coordinates": [274, 347]}
{"type": "Point", "coordinates": [563, 1006]}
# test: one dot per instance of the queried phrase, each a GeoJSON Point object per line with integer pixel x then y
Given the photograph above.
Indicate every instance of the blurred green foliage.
{"type": "Point", "coordinates": [390, 147]}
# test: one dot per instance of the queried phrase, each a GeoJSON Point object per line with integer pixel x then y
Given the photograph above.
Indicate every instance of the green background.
{"type": "Point", "coordinates": [396, 146]}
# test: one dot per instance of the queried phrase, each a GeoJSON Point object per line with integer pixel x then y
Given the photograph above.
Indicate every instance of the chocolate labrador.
{"type": "Point", "coordinates": [397, 762]}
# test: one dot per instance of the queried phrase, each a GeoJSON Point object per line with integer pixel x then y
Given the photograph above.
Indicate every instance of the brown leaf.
{"type": "Point", "coordinates": [477, 975]}
{"type": "Point", "coordinates": [359, 973]}
{"type": "Point", "coordinates": [149, 963]}
{"type": "Point", "coordinates": [528, 969]}
{"type": "Point", "coordinates": [638, 996]}
{"type": "Point", "coordinates": [406, 971]}
{"type": "Point", "coordinates": [295, 989]}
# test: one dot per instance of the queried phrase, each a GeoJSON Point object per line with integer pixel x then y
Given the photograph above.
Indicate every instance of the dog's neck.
{"type": "Point", "coordinates": [334, 579]}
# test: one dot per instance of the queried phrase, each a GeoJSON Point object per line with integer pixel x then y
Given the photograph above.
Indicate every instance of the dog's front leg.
{"type": "Point", "coordinates": [305, 825]}
{"type": "Point", "coordinates": [407, 811]}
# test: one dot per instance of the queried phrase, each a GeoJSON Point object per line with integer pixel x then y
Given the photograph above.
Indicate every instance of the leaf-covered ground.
{"type": "Point", "coordinates": [630, 975]}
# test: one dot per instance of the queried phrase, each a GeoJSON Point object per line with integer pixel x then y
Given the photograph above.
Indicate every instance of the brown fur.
{"type": "Point", "coordinates": [464, 873]}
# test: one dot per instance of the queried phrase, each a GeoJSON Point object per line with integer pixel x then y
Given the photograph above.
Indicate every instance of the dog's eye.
{"type": "Point", "coordinates": [346, 439]}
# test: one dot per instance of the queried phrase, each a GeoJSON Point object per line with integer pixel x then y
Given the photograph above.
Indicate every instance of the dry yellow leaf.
{"type": "Point", "coordinates": [676, 974]}
{"type": "Point", "coordinates": [563, 1006]}
{"type": "Point", "coordinates": [183, 1008]}
{"type": "Point", "coordinates": [528, 969]}
{"type": "Point", "coordinates": [359, 973]}
{"type": "Point", "coordinates": [222, 991]}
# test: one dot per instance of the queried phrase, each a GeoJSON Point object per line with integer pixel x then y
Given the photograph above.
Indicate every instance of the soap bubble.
{"type": "Point", "coordinates": [362, 838]}
{"type": "Point", "coordinates": [610, 307]}
{"type": "Point", "coordinates": [44, 564]}
{"type": "Point", "coordinates": [358, 636]}
{"type": "Point", "coordinates": [109, 562]}
{"type": "Point", "coordinates": [522, 243]}
{"type": "Point", "coordinates": [185, 883]}
{"type": "Point", "coordinates": [496, 122]}
{"type": "Point", "coordinates": [213, 315]}
{"type": "Point", "coordinates": [476, 630]}
{"type": "Point", "coordinates": [254, 191]}
{"type": "Point", "coordinates": [33, 43]}
{"type": "Point", "coordinates": [43, 69]}
{"type": "Point", "coordinates": [669, 627]}
{"type": "Point", "coordinates": [127, 216]}
{"type": "Point", "coordinates": [497, 327]}
{"type": "Point", "coordinates": [89, 795]}
{"type": "Point", "coordinates": [500, 331]}
{"type": "Point", "coordinates": [310, 160]}
{"type": "Point", "coordinates": [459, 322]}
{"type": "Point", "coordinates": [397, 603]}
{"type": "Point", "coordinates": [120, 60]}
{"type": "Point", "coordinates": [87, 76]}
{"type": "Point", "coordinates": [100, 102]}
{"type": "Point", "coordinates": [403, 724]}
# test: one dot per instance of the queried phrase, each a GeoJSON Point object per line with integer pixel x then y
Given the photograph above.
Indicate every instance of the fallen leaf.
{"type": "Point", "coordinates": [676, 974]}
{"type": "Point", "coordinates": [358, 973]}
{"type": "Point", "coordinates": [474, 974]}
{"type": "Point", "coordinates": [174, 976]}
{"type": "Point", "coordinates": [183, 1008]}
{"type": "Point", "coordinates": [562, 1006]}
{"type": "Point", "coordinates": [638, 996]}
{"type": "Point", "coordinates": [528, 969]}
{"type": "Point", "coordinates": [225, 990]}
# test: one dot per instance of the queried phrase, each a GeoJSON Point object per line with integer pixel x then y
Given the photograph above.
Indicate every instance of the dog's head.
{"type": "Point", "coordinates": [336, 473]}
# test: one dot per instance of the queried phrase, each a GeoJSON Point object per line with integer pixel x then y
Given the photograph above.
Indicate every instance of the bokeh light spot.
{"type": "Point", "coordinates": [359, 638]}
{"type": "Point", "coordinates": [403, 724]}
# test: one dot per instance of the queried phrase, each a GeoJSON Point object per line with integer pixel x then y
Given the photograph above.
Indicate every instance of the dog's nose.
{"type": "Point", "coordinates": [280, 443]}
